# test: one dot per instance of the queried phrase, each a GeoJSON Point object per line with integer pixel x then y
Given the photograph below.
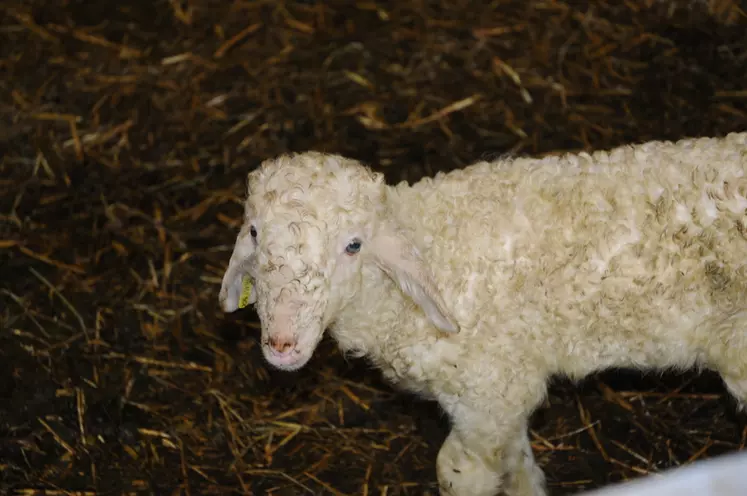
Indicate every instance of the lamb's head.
{"type": "Point", "coordinates": [311, 222]}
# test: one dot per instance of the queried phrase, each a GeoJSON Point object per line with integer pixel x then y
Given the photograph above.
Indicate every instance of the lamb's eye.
{"type": "Point", "coordinates": [353, 247]}
{"type": "Point", "coordinates": [253, 232]}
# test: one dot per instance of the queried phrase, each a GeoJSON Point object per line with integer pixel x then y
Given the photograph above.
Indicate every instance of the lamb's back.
{"type": "Point", "coordinates": [617, 246]}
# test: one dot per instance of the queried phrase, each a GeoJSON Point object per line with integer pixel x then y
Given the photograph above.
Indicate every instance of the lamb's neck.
{"type": "Point", "coordinates": [369, 322]}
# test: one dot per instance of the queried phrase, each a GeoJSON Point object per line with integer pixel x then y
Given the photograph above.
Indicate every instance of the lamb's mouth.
{"type": "Point", "coordinates": [294, 360]}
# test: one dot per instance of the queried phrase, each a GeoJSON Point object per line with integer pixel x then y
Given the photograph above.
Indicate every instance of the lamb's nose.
{"type": "Point", "coordinates": [281, 345]}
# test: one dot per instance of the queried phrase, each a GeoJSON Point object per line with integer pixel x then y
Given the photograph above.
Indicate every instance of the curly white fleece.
{"type": "Point", "coordinates": [474, 287]}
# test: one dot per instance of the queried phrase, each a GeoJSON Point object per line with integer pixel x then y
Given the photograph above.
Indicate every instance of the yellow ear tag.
{"type": "Point", "coordinates": [246, 291]}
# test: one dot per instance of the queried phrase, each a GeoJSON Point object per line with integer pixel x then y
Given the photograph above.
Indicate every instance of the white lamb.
{"type": "Point", "coordinates": [474, 287]}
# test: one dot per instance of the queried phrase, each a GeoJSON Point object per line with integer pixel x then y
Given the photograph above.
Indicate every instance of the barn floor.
{"type": "Point", "coordinates": [127, 130]}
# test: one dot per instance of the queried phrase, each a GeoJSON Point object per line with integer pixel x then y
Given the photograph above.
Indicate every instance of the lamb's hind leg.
{"type": "Point", "coordinates": [728, 355]}
{"type": "Point", "coordinates": [737, 386]}
{"type": "Point", "coordinates": [733, 372]}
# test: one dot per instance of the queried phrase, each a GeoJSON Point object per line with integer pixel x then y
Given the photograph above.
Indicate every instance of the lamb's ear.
{"type": "Point", "coordinates": [232, 286]}
{"type": "Point", "coordinates": [399, 258]}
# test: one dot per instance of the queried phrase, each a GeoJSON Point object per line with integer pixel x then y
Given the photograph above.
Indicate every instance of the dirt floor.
{"type": "Point", "coordinates": [127, 130]}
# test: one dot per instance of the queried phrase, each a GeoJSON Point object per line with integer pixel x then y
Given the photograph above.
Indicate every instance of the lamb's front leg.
{"type": "Point", "coordinates": [525, 476]}
{"type": "Point", "coordinates": [483, 458]}
{"type": "Point", "coordinates": [464, 466]}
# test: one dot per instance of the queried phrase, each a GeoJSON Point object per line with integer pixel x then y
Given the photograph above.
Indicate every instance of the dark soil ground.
{"type": "Point", "coordinates": [127, 130]}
